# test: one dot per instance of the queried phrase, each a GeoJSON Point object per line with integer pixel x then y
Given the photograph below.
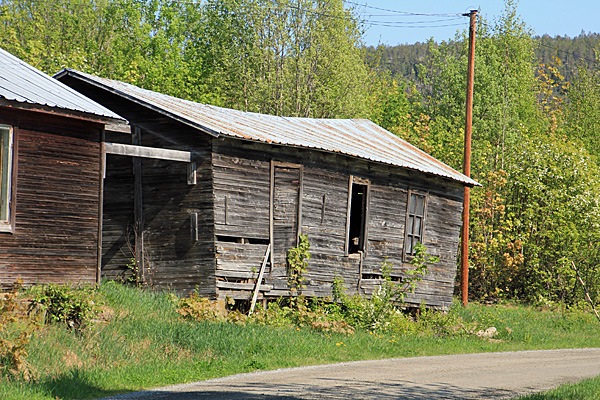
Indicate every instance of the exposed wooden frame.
{"type": "Point", "coordinates": [136, 150]}
{"type": "Point", "coordinates": [101, 205]}
{"type": "Point", "coordinates": [348, 207]}
{"type": "Point", "coordinates": [300, 167]}
{"type": "Point", "coordinates": [13, 151]}
{"type": "Point", "coordinates": [407, 257]}
{"type": "Point", "coordinates": [271, 210]}
{"type": "Point", "coordinates": [138, 209]}
{"type": "Point", "coordinates": [299, 210]}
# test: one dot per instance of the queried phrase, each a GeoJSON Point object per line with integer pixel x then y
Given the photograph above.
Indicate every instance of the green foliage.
{"type": "Point", "coordinates": [15, 335]}
{"type": "Point", "coordinates": [588, 389]}
{"type": "Point", "coordinates": [297, 263]}
{"type": "Point", "coordinates": [381, 312]}
{"type": "Point", "coordinates": [292, 58]}
{"type": "Point", "coordinates": [73, 307]}
{"type": "Point", "coordinates": [143, 342]}
{"type": "Point", "coordinates": [583, 111]}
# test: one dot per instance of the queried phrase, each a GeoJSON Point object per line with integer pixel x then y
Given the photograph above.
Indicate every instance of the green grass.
{"type": "Point", "coordinates": [588, 389]}
{"type": "Point", "coordinates": [145, 343]}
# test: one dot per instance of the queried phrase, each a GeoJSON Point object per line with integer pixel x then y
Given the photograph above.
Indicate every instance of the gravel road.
{"type": "Point", "coordinates": [468, 376]}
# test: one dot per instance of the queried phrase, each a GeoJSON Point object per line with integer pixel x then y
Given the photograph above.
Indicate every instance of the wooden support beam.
{"type": "Point", "coordinates": [137, 205]}
{"type": "Point", "coordinates": [271, 210]}
{"type": "Point", "coordinates": [147, 152]}
{"type": "Point", "coordinates": [100, 206]}
{"type": "Point", "coordinates": [259, 280]}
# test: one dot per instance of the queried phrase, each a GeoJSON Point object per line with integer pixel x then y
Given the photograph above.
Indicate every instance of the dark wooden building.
{"type": "Point", "coordinates": [50, 178]}
{"type": "Point", "coordinates": [210, 190]}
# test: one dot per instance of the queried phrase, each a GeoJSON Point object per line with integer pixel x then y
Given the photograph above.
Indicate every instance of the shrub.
{"type": "Point", "coordinates": [74, 307]}
{"type": "Point", "coordinates": [297, 264]}
{"type": "Point", "coordinates": [15, 334]}
{"type": "Point", "coordinates": [197, 308]}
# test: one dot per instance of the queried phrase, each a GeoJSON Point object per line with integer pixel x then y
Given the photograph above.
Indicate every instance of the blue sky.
{"type": "Point", "coordinates": [554, 17]}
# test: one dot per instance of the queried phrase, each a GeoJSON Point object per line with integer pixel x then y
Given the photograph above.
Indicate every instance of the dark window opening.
{"type": "Point", "coordinates": [414, 222]}
{"type": "Point", "coordinates": [358, 210]}
{"type": "Point", "coordinates": [241, 240]}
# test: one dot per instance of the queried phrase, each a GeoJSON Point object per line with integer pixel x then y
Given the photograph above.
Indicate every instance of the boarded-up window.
{"type": "Point", "coordinates": [286, 217]}
{"type": "Point", "coordinates": [415, 221]}
{"type": "Point", "coordinates": [6, 149]}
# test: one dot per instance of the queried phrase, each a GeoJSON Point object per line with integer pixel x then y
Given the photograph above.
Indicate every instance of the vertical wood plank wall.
{"type": "Point", "coordinates": [57, 200]}
{"type": "Point", "coordinates": [173, 258]}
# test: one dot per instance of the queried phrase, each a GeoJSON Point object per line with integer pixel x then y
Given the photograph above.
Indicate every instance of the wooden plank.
{"type": "Point", "coordinates": [242, 286]}
{"type": "Point", "coordinates": [138, 209]}
{"type": "Point", "coordinates": [271, 210]}
{"type": "Point", "coordinates": [102, 160]}
{"type": "Point", "coordinates": [260, 277]}
{"type": "Point", "coordinates": [148, 152]}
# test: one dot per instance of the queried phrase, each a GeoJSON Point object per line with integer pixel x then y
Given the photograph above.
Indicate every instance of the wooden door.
{"type": "Point", "coordinates": [286, 205]}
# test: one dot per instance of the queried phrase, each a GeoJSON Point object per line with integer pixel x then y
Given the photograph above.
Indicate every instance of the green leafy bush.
{"type": "Point", "coordinates": [297, 258]}
{"type": "Point", "coordinates": [74, 307]}
{"type": "Point", "coordinates": [378, 312]}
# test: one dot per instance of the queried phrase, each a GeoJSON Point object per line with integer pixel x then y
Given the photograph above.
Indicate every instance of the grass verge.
{"type": "Point", "coordinates": [588, 389]}
{"type": "Point", "coordinates": [142, 342]}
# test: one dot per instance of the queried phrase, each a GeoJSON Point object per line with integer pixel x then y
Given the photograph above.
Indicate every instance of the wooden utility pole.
{"type": "Point", "coordinates": [467, 160]}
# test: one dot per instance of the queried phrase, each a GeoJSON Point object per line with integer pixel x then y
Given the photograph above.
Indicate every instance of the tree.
{"type": "Point", "coordinates": [292, 57]}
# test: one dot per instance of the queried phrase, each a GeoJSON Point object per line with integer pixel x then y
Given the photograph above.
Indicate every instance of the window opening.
{"type": "Point", "coordinates": [414, 222]}
{"type": "Point", "coordinates": [358, 211]}
{"type": "Point", "coordinates": [6, 144]}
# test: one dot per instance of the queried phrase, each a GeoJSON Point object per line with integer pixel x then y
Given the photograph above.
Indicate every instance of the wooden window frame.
{"type": "Point", "coordinates": [365, 221]}
{"type": "Point", "coordinates": [273, 165]}
{"type": "Point", "coordinates": [8, 225]}
{"type": "Point", "coordinates": [421, 238]}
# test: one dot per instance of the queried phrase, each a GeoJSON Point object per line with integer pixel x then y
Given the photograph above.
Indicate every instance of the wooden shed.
{"type": "Point", "coordinates": [200, 194]}
{"type": "Point", "coordinates": [50, 178]}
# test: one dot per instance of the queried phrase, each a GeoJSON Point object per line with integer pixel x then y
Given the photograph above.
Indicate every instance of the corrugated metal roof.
{"type": "Point", "coordinates": [355, 137]}
{"type": "Point", "coordinates": [23, 83]}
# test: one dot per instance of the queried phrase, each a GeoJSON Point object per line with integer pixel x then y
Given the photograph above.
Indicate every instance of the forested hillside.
{"type": "Point", "coordinates": [403, 60]}
{"type": "Point", "coordinates": [535, 123]}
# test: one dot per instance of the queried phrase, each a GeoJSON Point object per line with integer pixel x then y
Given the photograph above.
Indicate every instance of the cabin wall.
{"type": "Point", "coordinates": [242, 175]}
{"type": "Point", "coordinates": [118, 233]}
{"type": "Point", "coordinates": [55, 237]}
{"type": "Point", "coordinates": [173, 257]}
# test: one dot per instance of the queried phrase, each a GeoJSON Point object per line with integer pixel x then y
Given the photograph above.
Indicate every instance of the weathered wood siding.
{"type": "Point", "coordinates": [242, 176]}
{"type": "Point", "coordinates": [118, 233]}
{"type": "Point", "coordinates": [172, 257]}
{"type": "Point", "coordinates": [55, 238]}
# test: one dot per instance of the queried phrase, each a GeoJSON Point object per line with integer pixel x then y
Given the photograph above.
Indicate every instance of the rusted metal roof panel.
{"type": "Point", "coordinates": [354, 137]}
{"type": "Point", "coordinates": [22, 83]}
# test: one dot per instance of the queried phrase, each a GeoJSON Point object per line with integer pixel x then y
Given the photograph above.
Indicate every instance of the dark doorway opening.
{"type": "Point", "coordinates": [358, 211]}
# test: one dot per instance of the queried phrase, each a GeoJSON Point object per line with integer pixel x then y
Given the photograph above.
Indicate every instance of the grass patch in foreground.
{"type": "Point", "coordinates": [145, 343]}
{"type": "Point", "coordinates": [588, 389]}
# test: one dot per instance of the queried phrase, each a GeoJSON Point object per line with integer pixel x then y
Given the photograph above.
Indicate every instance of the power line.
{"type": "Point", "coordinates": [402, 12]}
{"type": "Point", "coordinates": [408, 27]}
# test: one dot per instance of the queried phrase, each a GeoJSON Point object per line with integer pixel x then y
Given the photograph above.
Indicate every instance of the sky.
{"type": "Point", "coordinates": [386, 23]}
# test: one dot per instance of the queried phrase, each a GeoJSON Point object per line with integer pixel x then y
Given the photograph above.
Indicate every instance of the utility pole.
{"type": "Point", "coordinates": [467, 160]}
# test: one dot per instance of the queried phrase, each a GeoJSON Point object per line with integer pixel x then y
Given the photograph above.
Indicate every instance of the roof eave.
{"type": "Point", "coordinates": [466, 182]}
{"type": "Point", "coordinates": [57, 111]}
{"type": "Point", "coordinates": [74, 74]}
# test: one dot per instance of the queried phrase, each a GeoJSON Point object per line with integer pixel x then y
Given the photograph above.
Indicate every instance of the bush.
{"type": "Point", "coordinates": [15, 334]}
{"type": "Point", "coordinates": [74, 307]}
